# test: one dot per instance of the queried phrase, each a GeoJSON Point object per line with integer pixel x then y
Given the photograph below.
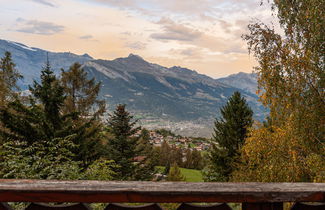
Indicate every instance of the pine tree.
{"type": "Point", "coordinates": [229, 134]}
{"type": "Point", "coordinates": [175, 174]}
{"type": "Point", "coordinates": [122, 144]}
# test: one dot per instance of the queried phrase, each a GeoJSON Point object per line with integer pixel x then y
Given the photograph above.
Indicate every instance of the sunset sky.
{"type": "Point", "coordinates": [203, 35]}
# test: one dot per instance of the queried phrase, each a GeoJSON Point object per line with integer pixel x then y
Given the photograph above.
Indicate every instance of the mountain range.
{"type": "Point", "coordinates": [175, 98]}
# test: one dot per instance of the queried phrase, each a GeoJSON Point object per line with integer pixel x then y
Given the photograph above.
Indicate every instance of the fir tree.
{"type": "Point", "coordinates": [175, 173]}
{"type": "Point", "coordinates": [50, 94]}
{"type": "Point", "coordinates": [122, 144]}
{"type": "Point", "coordinates": [229, 134]}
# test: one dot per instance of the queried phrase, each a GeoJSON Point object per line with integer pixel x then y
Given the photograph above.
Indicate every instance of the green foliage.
{"type": "Point", "coordinates": [41, 141]}
{"type": "Point", "coordinates": [175, 174]}
{"type": "Point", "coordinates": [291, 82]}
{"type": "Point", "coordinates": [194, 160]}
{"type": "Point", "coordinates": [125, 148]}
{"type": "Point", "coordinates": [101, 169]}
{"type": "Point", "coordinates": [229, 134]}
{"type": "Point", "coordinates": [168, 154]}
{"type": "Point", "coordinates": [41, 160]}
{"type": "Point", "coordinates": [50, 94]}
{"type": "Point", "coordinates": [8, 79]}
{"type": "Point", "coordinates": [146, 160]}
{"type": "Point", "coordinates": [81, 99]}
{"type": "Point", "coordinates": [81, 92]}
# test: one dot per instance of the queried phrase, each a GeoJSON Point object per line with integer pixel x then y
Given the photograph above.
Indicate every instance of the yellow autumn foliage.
{"type": "Point", "coordinates": [277, 154]}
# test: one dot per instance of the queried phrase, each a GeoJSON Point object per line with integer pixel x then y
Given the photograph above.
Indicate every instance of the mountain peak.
{"type": "Point", "coordinates": [135, 56]}
{"type": "Point", "coordinates": [86, 55]}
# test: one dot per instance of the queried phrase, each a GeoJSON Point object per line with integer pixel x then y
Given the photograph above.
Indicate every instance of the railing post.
{"type": "Point", "coordinates": [262, 206]}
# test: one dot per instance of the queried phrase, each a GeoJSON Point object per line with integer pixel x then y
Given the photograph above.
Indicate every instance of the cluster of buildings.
{"type": "Point", "coordinates": [157, 139]}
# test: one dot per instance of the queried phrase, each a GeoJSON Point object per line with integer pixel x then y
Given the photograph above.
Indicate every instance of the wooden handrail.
{"type": "Point", "coordinates": [157, 192]}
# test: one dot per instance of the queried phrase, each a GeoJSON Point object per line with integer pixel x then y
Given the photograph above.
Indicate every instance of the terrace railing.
{"type": "Point", "coordinates": [252, 196]}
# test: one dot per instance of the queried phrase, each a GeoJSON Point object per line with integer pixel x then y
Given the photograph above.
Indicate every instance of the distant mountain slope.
{"type": "Point", "coordinates": [241, 80]}
{"type": "Point", "coordinates": [173, 93]}
{"type": "Point", "coordinates": [175, 98]}
{"type": "Point", "coordinates": [30, 61]}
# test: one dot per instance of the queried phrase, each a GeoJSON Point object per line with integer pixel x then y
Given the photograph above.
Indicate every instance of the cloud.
{"type": "Point", "coordinates": [175, 31]}
{"type": "Point", "coordinates": [38, 27]}
{"type": "Point", "coordinates": [193, 9]}
{"type": "Point", "coordinates": [86, 37]}
{"type": "Point", "coordinates": [136, 45]}
{"type": "Point", "coordinates": [44, 2]}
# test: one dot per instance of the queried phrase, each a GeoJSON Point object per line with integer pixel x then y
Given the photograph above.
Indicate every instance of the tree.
{"type": "Point", "coordinates": [193, 160]}
{"type": "Point", "coordinates": [37, 122]}
{"type": "Point", "coordinates": [40, 160]}
{"type": "Point", "coordinates": [8, 79]}
{"type": "Point", "coordinates": [50, 94]}
{"type": "Point", "coordinates": [122, 144]}
{"type": "Point", "coordinates": [43, 119]}
{"type": "Point", "coordinates": [81, 99]}
{"type": "Point", "coordinates": [175, 174]}
{"type": "Point", "coordinates": [81, 92]}
{"type": "Point", "coordinates": [291, 82]}
{"type": "Point", "coordinates": [230, 132]}
{"type": "Point", "coordinates": [197, 160]}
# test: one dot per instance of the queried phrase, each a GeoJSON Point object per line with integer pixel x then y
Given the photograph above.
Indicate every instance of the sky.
{"type": "Point", "coordinates": [202, 35]}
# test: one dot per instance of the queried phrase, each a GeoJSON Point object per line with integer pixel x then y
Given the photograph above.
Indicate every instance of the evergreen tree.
{"type": "Point", "coordinates": [8, 79]}
{"type": "Point", "coordinates": [122, 143]}
{"type": "Point", "coordinates": [50, 94]}
{"type": "Point", "coordinates": [82, 100]}
{"type": "Point", "coordinates": [146, 161]}
{"type": "Point", "coordinates": [81, 92]}
{"type": "Point", "coordinates": [175, 174]}
{"type": "Point", "coordinates": [229, 134]}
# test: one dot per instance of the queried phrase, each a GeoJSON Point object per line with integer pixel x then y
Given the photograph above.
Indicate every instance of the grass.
{"type": "Point", "coordinates": [191, 175]}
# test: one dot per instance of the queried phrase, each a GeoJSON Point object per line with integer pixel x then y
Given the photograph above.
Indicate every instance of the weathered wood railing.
{"type": "Point", "coordinates": [251, 195]}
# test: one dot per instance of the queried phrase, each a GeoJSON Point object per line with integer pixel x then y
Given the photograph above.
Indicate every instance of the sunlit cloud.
{"type": "Point", "coordinates": [136, 45]}
{"type": "Point", "coordinates": [38, 27]}
{"type": "Point", "coordinates": [86, 37]}
{"type": "Point", "coordinates": [174, 31]}
{"type": "Point", "coordinates": [204, 35]}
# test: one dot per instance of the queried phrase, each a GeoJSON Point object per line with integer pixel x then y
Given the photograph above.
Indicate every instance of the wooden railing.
{"type": "Point", "coordinates": [252, 196]}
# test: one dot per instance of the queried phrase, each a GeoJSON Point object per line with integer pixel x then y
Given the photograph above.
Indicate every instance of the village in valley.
{"type": "Point", "coordinates": [157, 137]}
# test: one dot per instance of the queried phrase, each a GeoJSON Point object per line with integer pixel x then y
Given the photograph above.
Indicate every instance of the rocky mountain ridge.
{"type": "Point", "coordinates": [175, 98]}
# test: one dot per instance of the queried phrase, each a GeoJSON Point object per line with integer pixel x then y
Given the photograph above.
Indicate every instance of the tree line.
{"type": "Point", "coordinates": [57, 131]}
